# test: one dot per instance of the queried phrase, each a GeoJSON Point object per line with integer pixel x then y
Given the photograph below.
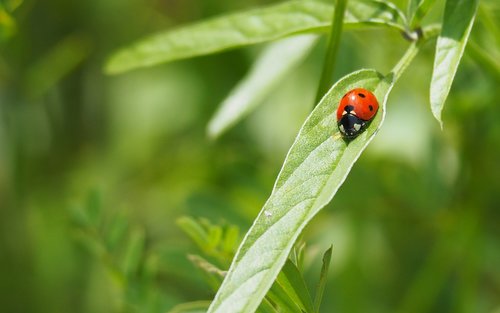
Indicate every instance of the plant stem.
{"type": "Point", "coordinates": [428, 33]}
{"type": "Point", "coordinates": [405, 61]}
{"type": "Point", "coordinates": [333, 48]}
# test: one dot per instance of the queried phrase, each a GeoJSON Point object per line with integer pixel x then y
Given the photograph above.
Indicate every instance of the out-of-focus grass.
{"type": "Point", "coordinates": [414, 228]}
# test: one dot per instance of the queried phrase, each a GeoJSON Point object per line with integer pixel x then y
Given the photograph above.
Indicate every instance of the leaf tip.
{"type": "Point", "coordinates": [328, 254]}
{"type": "Point", "coordinates": [121, 61]}
{"type": "Point", "coordinates": [213, 131]}
{"type": "Point", "coordinates": [440, 121]}
{"type": "Point", "coordinates": [111, 67]}
{"type": "Point", "coordinates": [436, 108]}
{"type": "Point", "coordinates": [437, 116]}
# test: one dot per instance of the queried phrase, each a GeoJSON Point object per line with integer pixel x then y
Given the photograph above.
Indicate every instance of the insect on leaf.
{"type": "Point", "coordinates": [315, 167]}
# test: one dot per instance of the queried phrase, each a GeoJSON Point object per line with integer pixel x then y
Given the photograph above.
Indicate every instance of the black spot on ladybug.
{"type": "Point", "coordinates": [370, 107]}
{"type": "Point", "coordinates": [348, 108]}
{"type": "Point", "coordinates": [361, 95]}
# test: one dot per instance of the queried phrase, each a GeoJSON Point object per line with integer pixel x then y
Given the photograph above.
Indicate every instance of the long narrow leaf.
{"type": "Point", "coordinates": [134, 252]}
{"type": "Point", "coordinates": [485, 60]}
{"type": "Point", "coordinates": [53, 66]}
{"type": "Point", "coordinates": [282, 300]}
{"type": "Point", "coordinates": [241, 29]}
{"type": "Point", "coordinates": [316, 165]}
{"type": "Point", "coordinates": [7, 25]}
{"type": "Point", "coordinates": [327, 256]}
{"type": "Point", "coordinates": [194, 230]}
{"type": "Point", "coordinates": [191, 307]}
{"type": "Point", "coordinates": [457, 24]}
{"type": "Point", "coordinates": [291, 280]}
{"type": "Point", "coordinates": [266, 307]}
{"type": "Point", "coordinates": [332, 49]}
{"type": "Point", "coordinates": [417, 11]}
{"type": "Point", "coordinates": [273, 65]}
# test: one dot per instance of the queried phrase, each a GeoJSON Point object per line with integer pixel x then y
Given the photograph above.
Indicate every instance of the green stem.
{"type": "Point", "coordinates": [405, 60]}
{"type": "Point", "coordinates": [428, 33]}
{"type": "Point", "coordinates": [333, 48]}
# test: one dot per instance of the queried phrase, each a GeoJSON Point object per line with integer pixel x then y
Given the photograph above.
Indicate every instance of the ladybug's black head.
{"type": "Point", "coordinates": [350, 125]}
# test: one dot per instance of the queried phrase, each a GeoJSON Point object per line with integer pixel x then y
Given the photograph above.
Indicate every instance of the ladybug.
{"type": "Point", "coordinates": [356, 109]}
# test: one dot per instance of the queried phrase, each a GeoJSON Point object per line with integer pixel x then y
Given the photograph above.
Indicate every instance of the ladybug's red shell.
{"type": "Point", "coordinates": [364, 103]}
{"type": "Point", "coordinates": [355, 110]}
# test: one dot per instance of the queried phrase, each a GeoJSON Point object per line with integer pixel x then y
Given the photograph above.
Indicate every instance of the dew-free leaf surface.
{"type": "Point", "coordinates": [457, 24]}
{"type": "Point", "coordinates": [327, 256]}
{"type": "Point", "coordinates": [246, 28]}
{"type": "Point", "coordinates": [272, 66]}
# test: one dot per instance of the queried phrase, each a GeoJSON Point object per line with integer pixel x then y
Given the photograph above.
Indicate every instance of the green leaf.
{"type": "Point", "coordinates": [266, 307]}
{"type": "Point", "coordinates": [297, 255]}
{"type": "Point", "coordinates": [191, 307]}
{"type": "Point", "coordinates": [246, 28]}
{"type": "Point", "coordinates": [194, 230]}
{"type": "Point", "coordinates": [89, 221]}
{"type": "Point", "coordinates": [332, 49]}
{"type": "Point", "coordinates": [485, 60]}
{"type": "Point", "coordinates": [94, 208]}
{"type": "Point", "coordinates": [7, 25]}
{"type": "Point", "coordinates": [316, 165]}
{"type": "Point", "coordinates": [323, 278]}
{"type": "Point", "coordinates": [457, 24]}
{"type": "Point", "coordinates": [282, 300]}
{"type": "Point", "coordinates": [417, 9]}
{"type": "Point", "coordinates": [206, 266]}
{"type": "Point", "coordinates": [231, 239]}
{"type": "Point", "coordinates": [212, 274]}
{"type": "Point", "coordinates": [116, 231]}
{"type": "Point", "coordinates": [412, 7]}
{"type": "Point", "coordinates": [214, 236]}
{"type": "Point", "coordinates": [397, 17]}
{"type": "Point", "coordinates": [91, 242]}
{"type": "Point", "coordinates": [292, 282]}
{"type": "Point", "coordinates": [133, 252]}
{"type": "Point", "coordinates": [272, 66]}
{"type": "Point", "coordinates": [58, 62]}
{"type": "Point", "coordinates": [12, 5]}
{"type": "Point", "coordinates": [488, 16]}
{"type": "Point", "coordinates": [150, 268]}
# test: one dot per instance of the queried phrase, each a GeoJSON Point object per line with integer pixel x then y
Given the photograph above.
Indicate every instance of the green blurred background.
{"type": "Point", "coordinates": [415, 228]}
